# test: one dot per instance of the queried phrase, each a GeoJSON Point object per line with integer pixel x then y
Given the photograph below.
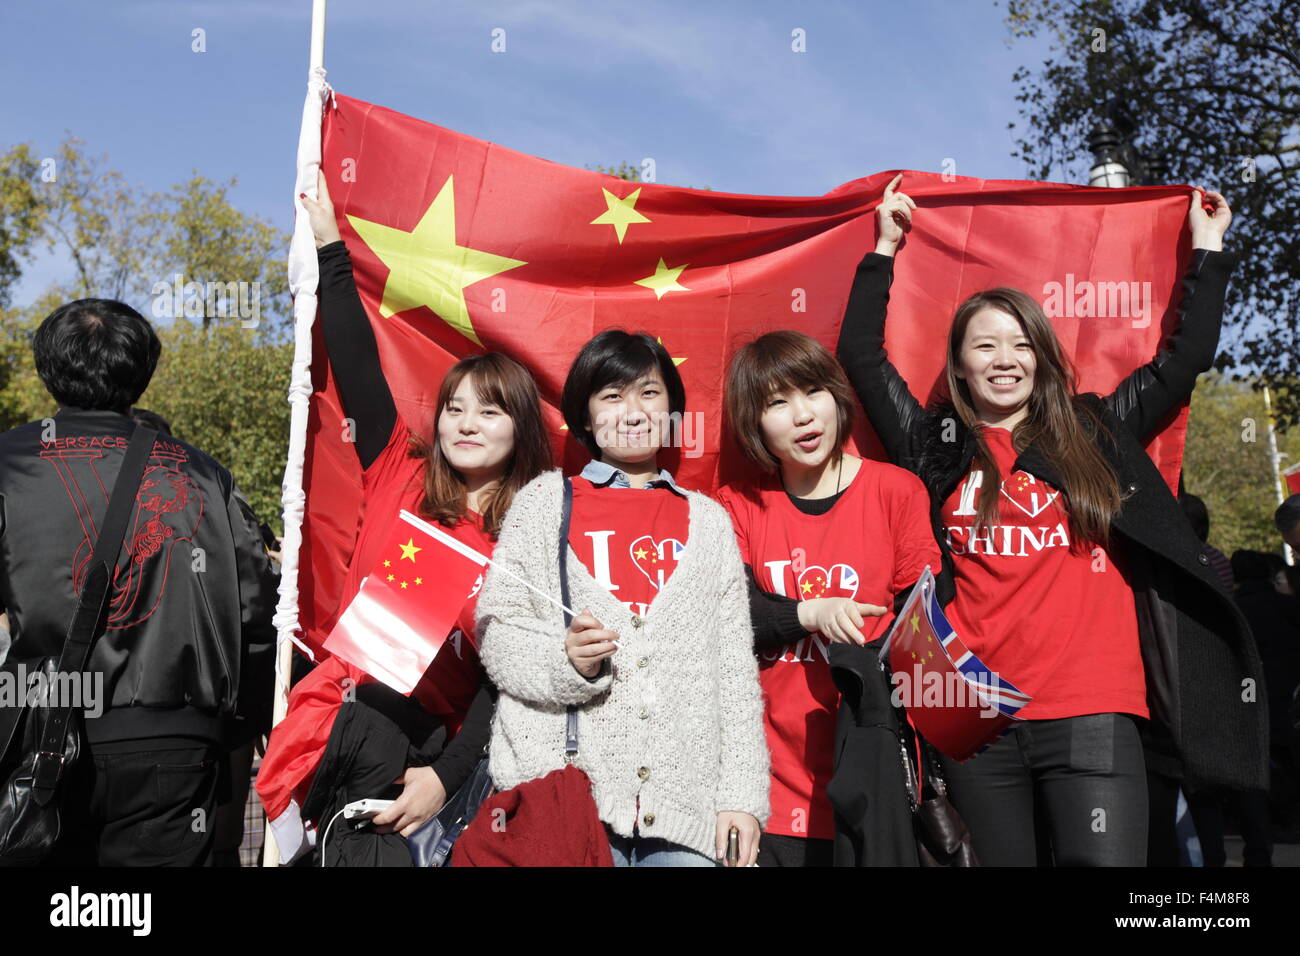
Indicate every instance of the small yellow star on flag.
{"type": "Point", "coordinates": [387, 563]}
{"type": "Point", "coordinates": [409, 549]}
{"type": "Point", "coordinates": [419, 580]}
{"type": "Point", "coordinates": [676, 361]}
{"type": "Point", "coordinates": [391, 578]}
{"type": "Point", "coordinates": [403, 585]}
{"type": "Point", "coordinates": [620, 212]}
{"type": "Point", "coordinates": [664, 280]}
{"type": "Point", "coordinates": [426, 266]}
{"type": "Point", "coordinates": [915, 621]}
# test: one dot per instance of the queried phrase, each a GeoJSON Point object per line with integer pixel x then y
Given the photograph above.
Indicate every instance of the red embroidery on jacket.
{"type": "Point", "coordinates": [168, 510]}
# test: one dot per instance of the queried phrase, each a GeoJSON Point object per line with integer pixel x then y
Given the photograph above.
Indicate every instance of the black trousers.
{"type": "Point", "coordinates": [141, 803]}
{"type": "Point", "coordinates": [777, 849]}
{"type": "Point", "coordinates": [1066, 792]}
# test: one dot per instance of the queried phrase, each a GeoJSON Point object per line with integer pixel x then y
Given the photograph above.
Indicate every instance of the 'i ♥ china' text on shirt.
{"type": "Point", "coordinates": [1058, 621]}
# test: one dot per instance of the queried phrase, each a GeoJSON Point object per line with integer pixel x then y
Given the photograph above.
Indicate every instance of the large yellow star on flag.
{"type": "Point", "coordinates": [427, 267]}
{"type": "Point", "coordinates": [409, 549]}
{"type": "Point", "coordinates": [621, 212]}
{"type": "Point", "coordinates": [664, 280]}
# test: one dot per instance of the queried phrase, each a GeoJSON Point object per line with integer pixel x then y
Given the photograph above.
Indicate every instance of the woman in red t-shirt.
{"type": "Point", "coordinates": [830, 540]}
{"type": "Point", "coordinates": [1072, 567]}
{"type": "Point", "coordinates": [489, 442]}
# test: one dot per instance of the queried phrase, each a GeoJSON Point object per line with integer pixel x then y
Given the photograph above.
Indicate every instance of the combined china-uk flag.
{"type": "Point", "coordinates": [952, 698]}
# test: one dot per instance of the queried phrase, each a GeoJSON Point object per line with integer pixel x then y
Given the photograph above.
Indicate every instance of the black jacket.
{"type": "Point", "coordinates": [189, 641]}
{"type": "Point", "coordinates": [1204, 678]}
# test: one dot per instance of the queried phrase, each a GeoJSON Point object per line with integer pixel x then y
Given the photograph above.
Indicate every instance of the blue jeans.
{"type": "Point", "coordinates": [651, 851]}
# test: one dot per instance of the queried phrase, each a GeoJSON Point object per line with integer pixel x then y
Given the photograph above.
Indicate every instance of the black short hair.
{"type": "Point", "coordinates": [1197, 514]}
{"type": "Point", "coordinates": [96, 353]}
{"type": "Point", "coordinates": [615, 357]}
{"type": "Point", "coordinates": [1255, 565]}
{"type": "Point", "coordinates": [1287, 515]}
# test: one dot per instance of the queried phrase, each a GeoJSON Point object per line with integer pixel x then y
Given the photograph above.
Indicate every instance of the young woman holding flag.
{"type": "Point", "coordinates": [659, 660]}
{"type": "Point", "coordinates": [1076, 576]}
{"type": "Point", "coordinates": [829, 541]}
{"type": "Point", "coordinates": [488, 443]}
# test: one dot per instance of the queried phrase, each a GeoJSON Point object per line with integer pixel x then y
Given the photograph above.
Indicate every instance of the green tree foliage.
{"type": "Point", "coordinates": [1212, 90]}
{"type": "Point", "coordinates": [20, 213]}
{"type": "Point", "coordinates": [625, 170]}
{"type": "Point", "coordinates": [1226, 462]}
{"type": "Point", "coordinates": [223, 389]}
{"type": "Point", "coordinates": [222, 385]}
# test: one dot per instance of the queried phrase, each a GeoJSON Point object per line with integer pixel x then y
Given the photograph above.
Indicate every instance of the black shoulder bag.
{"type": "Point", "coordinates": [40, 738]}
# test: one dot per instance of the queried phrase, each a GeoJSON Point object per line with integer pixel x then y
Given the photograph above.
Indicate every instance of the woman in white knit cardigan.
{"type": "Point", "coordinates": [669, 706]}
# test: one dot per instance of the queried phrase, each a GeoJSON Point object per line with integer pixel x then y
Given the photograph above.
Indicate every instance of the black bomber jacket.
{"type": "Point", "coordinates": [189, 643]}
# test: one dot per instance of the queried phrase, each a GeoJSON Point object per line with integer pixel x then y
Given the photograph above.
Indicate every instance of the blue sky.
{"type": "Point", "coordinates": [711, 91]}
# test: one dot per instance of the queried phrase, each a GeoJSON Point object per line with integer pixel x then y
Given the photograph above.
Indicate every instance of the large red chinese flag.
{"type": "Point", "coordinates": [464, 246]}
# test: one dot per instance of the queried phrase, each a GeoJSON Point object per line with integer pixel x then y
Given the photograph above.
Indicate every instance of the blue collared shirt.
{"type": "Point", "coordinates": [604, 475]}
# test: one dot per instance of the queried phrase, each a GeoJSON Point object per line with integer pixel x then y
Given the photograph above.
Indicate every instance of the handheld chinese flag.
{"type": "Point", "coordinates": [407, 604]}
{"type": "Point", "coordinates": [952, 698]}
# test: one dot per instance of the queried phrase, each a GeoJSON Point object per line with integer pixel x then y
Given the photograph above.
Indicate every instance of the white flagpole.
{"type": "Point", "coordinates": [1275, 459]}
{"type": "Point", "coordinates": [303, 280]}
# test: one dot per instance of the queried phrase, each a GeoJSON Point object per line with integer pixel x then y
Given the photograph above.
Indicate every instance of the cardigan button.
{"type": "Point", "coordinates": [1203, 559]}
{"type": "Point", "coordinates": [648, 819]}
{"type": "Point", "coordinates": [636, 621]}
{"type": "Point", "coordinates": [643, 773]}
{"type": "Point", "coordinates": [644, 713]}
{"type": "Point", "coordinates": [643, 662]}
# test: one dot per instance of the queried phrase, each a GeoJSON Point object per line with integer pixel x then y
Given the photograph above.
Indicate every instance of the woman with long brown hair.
{"type": "Point", "coordinates": [346, 737]}
{"type": "Point", "coordinates": [1069, 568]}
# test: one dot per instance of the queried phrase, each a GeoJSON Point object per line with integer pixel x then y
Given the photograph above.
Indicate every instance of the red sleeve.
{"type": "Point", "coordinates": [914, 544]}
{"type": "Point", "coordinates": [738, 508]}
{"type": "Point", "coordinates": [394, 463]}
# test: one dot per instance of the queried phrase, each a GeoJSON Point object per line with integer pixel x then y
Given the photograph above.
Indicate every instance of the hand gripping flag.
{"type": "Point", "coordinates": [952, 698]}
{"type": "Point", "coordinates": [462, 246]}
{"type": "Point", "coordinates": [407, 604]}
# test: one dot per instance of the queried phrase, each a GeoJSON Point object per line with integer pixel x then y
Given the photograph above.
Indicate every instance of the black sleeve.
{"type": "Point", "coordinates": [354, 354]}
{"type": "Point", "coordinates": [775, 618]}
{"type": "Point", "coordinates": [1150, 393]}
{"type": "Point", "coordinates": [257, 599]}
{"type": "Point", "coordinates": [460, 757]}
{"type": "Point", "coordinates": [893, 410]}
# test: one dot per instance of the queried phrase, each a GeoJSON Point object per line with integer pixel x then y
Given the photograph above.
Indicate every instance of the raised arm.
{"type": "Point", "coordinates": [889, 404]}
{"type": "Point", "coordinates": [349, 338]}
{"type": "Point", "coordinates": [1152, 391]}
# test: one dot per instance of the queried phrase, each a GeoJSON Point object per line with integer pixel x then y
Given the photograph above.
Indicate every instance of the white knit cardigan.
{"type": "Point", "coordinates": [672, 733]}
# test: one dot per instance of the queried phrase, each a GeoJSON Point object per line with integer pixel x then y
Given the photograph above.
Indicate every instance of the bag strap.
{"type": "Point", "coordinates": [571, 715]}
{"type": "Point", "coordinates": [88, 619]}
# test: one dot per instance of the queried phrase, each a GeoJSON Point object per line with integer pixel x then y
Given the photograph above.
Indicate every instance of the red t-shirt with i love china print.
{"type": "Point", "coordinates": [873, 543]}
{"type": "Point", "coordinates": [1059, 622]}
{"type": "Point", "coordinates": [629, 539]}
